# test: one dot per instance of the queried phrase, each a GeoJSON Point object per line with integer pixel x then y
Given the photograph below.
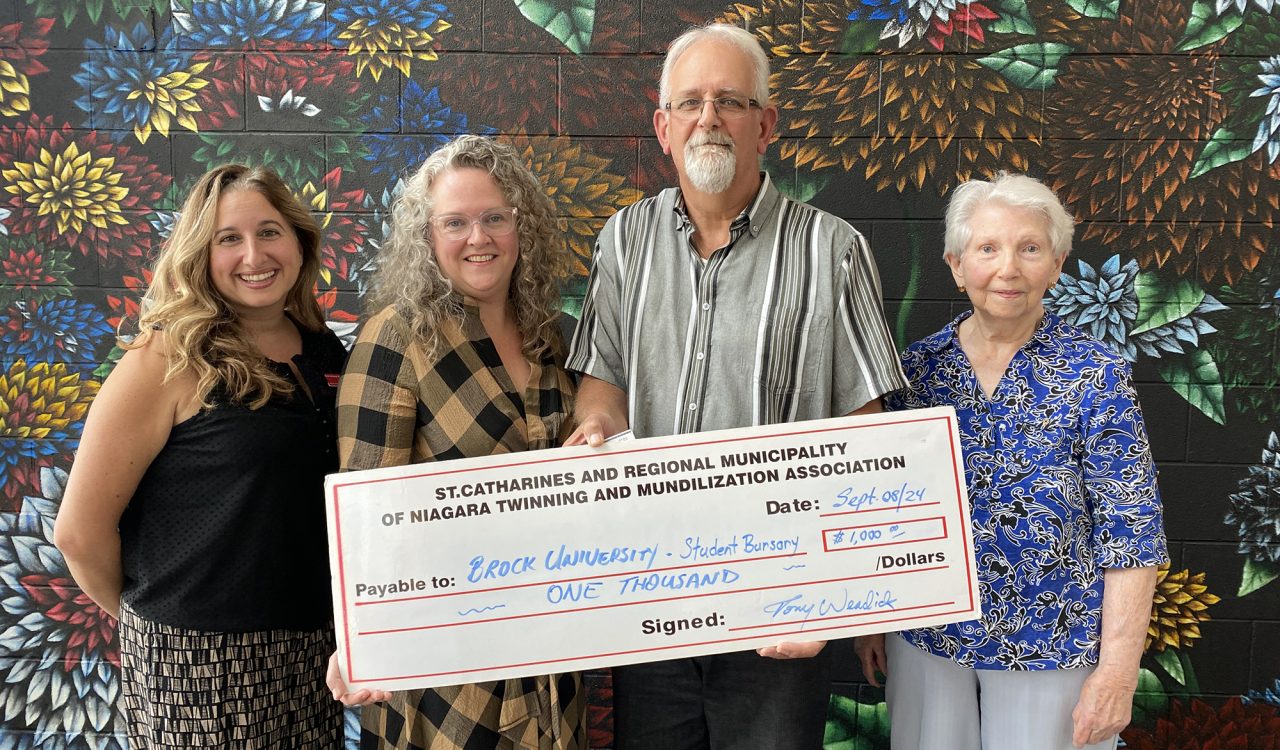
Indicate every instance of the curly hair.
{"type": "Point", "coordinates": [409, 277]}
{"type": "Point", "coordinates": [201, 330]}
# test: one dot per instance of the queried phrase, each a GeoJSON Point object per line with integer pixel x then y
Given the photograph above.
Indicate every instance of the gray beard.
{"type": "Point", "coordinates": [711, 171]}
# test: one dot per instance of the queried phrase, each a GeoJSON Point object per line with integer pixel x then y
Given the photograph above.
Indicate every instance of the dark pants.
{"type": "Point", "coordinates": [737, 701]}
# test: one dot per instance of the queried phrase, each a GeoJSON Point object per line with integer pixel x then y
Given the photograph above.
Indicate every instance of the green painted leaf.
{"type": "Point", "coordinates": [1014, 18]}
{"type": "Point", "coordinates": [1030, 66]}
{"type": "Point", "coordinates": [1160, 303]}
{"type": "Point", "coordinates": [1096, 8]}
{"type": "Point", "coordinates": [1189, 671]}
{"type": "Point", "coordinates": [861, 37]}
{"type": "Point", "coordinates": [1149, 701]}
{"type": "Point", "coordinates": [1196, 378]}
{"type": "Point", "coordinates": [1223, 148]}
{"type": "Point", "coordinates": [570, 21]}
{"type": "Point", "coordinates": [109, 364]}
{"type": "Point", "coordinates": [1169, 660]}
{"type": "Point", "coordinates": [1256, 575]}
{"type": "Point", "coordinates": [1206, 27]}
{"type": "Point", "coordinates": [93, 8]}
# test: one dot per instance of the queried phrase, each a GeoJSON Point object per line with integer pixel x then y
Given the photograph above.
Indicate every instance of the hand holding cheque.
{"type": "Point", "coordinates": [582, 557]}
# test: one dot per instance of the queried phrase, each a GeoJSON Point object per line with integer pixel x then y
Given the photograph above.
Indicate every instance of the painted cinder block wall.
{"type": "Point", "coordinates": [1156, 120]}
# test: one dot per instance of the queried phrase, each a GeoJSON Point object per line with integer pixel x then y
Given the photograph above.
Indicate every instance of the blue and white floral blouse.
{"type": "Point", "coordinates": [1061, 487]}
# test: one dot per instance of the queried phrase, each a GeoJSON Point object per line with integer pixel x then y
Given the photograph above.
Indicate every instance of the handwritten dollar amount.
{"type": "Point", "coordinates": [882, 534]}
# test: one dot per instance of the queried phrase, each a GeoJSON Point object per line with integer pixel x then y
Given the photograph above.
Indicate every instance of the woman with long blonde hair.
{"type": "Point", "coordinates": [194, 508]}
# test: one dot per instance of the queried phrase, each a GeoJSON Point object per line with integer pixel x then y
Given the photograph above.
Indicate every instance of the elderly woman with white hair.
{"type": "Point", "coordinates": [1066, 516]}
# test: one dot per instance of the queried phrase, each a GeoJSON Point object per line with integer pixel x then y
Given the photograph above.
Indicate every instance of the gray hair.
{"type": "Point", "coordinates": [738, 37]}
{"type": "Point", "coordinates": [1017, 190]}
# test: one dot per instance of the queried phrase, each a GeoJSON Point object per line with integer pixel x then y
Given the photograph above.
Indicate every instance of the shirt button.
{"type": "Point", "coordinates": [706, 305]}
{"type": "Point", "coordinates": [693, 407]}
{"type": "Point", "coordinates": [700, 356]}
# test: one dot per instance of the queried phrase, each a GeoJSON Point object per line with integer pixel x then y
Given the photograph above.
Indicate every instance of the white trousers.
{"type": "Point", "coordinates": [934, 704]}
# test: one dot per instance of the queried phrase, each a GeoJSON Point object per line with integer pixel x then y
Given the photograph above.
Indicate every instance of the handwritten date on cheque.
{"type": "Point", "coordinates": [576, 558]}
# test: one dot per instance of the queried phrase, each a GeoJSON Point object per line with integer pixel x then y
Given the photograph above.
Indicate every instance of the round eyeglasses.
{"type": "Point", "coordinates": [497, 222]}
{"type": "Point", "coordinates": [727, 107]}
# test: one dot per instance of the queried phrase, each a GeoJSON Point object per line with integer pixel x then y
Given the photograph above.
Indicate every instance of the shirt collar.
{"type": "Point", "coordinates": [764, 202]}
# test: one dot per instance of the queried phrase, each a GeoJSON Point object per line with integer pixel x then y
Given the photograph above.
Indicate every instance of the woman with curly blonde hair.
{"type": "Point", "coordinates": [194, 511]}
{"type": "Point", "coordinates": [464, 357]}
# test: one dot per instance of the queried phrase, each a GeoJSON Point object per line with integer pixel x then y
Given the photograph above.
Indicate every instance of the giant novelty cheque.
{"type": "Point", "coordinates": [575, 558]}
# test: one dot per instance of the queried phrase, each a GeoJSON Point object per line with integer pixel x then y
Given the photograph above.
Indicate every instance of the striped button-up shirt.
{"type": "Point", "coordinates": [782, 324]}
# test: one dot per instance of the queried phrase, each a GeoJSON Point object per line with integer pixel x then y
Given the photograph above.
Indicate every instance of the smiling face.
{"type": "Point", "coordinates": [1008, 263]}
{"type": "Point", "coordinates": [712, 153]}
{"type": "Point", "coordinates": [479, 266]}
{"type": "Point", "coordinates": [254, 256]}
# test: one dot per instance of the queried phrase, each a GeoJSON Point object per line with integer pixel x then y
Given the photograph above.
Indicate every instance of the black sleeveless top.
{"type": "Point", "coordinates": [226, 531]}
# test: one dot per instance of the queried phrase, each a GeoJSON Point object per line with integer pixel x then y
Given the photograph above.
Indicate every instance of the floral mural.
{"type": "Point", "coordinates": [1158, 122]}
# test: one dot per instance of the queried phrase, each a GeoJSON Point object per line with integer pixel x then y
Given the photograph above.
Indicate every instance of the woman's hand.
{"type": "Point", "coordinates": [333, 680]}
{"type": "Point", "coordinates": [1104, 707]}
{"type": "Point", "coordinates": [1106, 698]}
{"type": "Point", "coordinates": [870, 651]}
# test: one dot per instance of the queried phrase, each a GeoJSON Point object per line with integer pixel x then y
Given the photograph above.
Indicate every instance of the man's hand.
{"type": "Point", "coordinates": [593, 430]}
{"type": "Point", "coordinates": [870, 651]}
{"type": "Point", "coordinates": [789, 650]}
{"type": "Point", "coordinates": [333, 680]}
{"type": "Point", "coordinates": [601, 412]}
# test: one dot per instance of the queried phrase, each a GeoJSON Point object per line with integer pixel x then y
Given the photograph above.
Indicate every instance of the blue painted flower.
{"type": "Point", "coordinates": [1104, 302]}
{"type": "Point", "coordinates": [416, 111]}
{"type": "Point", "coordinates": [236, 23]}
{"type": "Point", "coordinates": [383, 34]}
{"type": "Point", "coordinates": [1269, 128]}
{"type": "Point", "coordinates": [1270, 695]}
{"type": "Point", "coordinates": [881, 10]}
{"type": "Point", "coordinates": [59, 664]}
{"type": "Point", "coordinates": [62, 329]}
{"type": "Point", "coordinates": [127, 85]}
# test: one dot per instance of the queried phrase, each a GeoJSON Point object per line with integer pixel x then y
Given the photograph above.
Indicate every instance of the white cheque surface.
{"type": "Point", "coordinates": [574, 558]}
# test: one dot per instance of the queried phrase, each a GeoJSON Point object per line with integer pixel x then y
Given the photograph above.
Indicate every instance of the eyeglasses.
{"type": "Point", "coordinates": [497, 222]}
{"type": "Point", "coordinates": [727, 107]}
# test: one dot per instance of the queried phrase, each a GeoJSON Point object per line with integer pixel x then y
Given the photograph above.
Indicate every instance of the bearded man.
{"type": "Point", "coordinates": [725, 304]}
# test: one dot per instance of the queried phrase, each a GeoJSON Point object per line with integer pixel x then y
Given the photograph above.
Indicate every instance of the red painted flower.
{"type": "Point", "coordinates": [72, 188]}
{"type": "Point", "coordinates": [18, 61]}
{"type": "Point", "coordinates": [26, 270]}
{"type": "Point", "coordinates": [341, 235]}
{"type": "Point", "coordinates": [218, 102]}
{"type": "Point", "coordinates": [21, 50]}
{"type": "Point", "coordinates": [272, 74]}
{"type": "Point", "coordinates": [966, 19]}
{"type": "Point", "coordinates": [1199, 726]}
{"type": "Point", "coordinates": [87, 629]}
{"type": "Point", "coordinates": [126, 307]}
{"type": "Point", "coordinates": [23, 480]}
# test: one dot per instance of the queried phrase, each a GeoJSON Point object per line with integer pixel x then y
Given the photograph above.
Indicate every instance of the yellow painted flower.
{"type": "Point", "coordinates": [72, 187]}
{"type": "Point", "coordinates": [43, 401]}
{"type": "Point", "coordinates": [14, 91]}
{"type": "Point", "coordinates": [172, 98]}
{"type": "Point", "coordinates": [381, 45]}
{"type": "Point", "coordinates": [1181, 604]}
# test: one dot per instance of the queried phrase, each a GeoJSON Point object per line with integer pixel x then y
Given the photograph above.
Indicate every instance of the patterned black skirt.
{"type": "Point", "coordinates": [262, 690]}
